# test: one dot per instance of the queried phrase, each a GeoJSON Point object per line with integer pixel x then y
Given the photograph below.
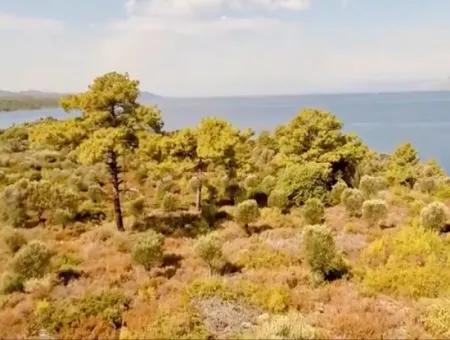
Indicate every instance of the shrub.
{"type": "Point", "coordinates": [251, 183]}
{"type": "Point", "coordinates": [247, 212]}
{"type": "Point", "coordinates": [437, 319]}
{"type": "Point", "coordinates": [336, 192]}
{"type": "Point", "coordinates": [353, 200]}
{"type": "Point", "coordinates": [414, 262]}
{"type": "Point", "coordinates": [269, 298]}
{"type": "Point", "coordinates": [434, 216]}
{"type": "Point", "coordinates": [321, 253]}
{"type": "Point", "coordinates": [67, 314]}
{"type": "Point", "coordinates": [32, 260]}
{"type": "Point", "coordinates": [137, 206]}
{"type": "Point", "coordinates": [313, 212]}
{"type": "Point", "coordinates": [426, 185]}
{"type": "Point", "coordinates": [209, 248]}
{"type": "Point", "coordinates": [268, 184]}
{"type": "Point", "coordinates": [278, 199]}
{"type": "Point", "coordinates": [290, 326]}
{"type": "Point", "coordinates": [370, 186]}
{"type": "Point", "coordinates": [11, 283]}
{"type": "Point", "coordinates": [148, 251]}
{"type": "Point", "coordinates": [170, 202]}
{"type": "Point", "coordinates": [14, 240]}
{"type": "Point", "coordinates": [374, 211]}
{"type": "Point", "coordinates": [304, 181]}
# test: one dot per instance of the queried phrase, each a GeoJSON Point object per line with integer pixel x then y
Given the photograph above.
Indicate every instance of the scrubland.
{"type": "Point", "coordinates": [113, 228]}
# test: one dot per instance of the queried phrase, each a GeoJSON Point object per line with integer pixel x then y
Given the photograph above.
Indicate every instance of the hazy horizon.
{"type": "Point", "coordinates": [211, 48]}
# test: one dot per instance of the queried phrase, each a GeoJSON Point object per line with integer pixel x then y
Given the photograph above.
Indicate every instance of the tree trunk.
{"type": "Point", "coordinates": [114, 170]}
{"type": "Point", "coordinates": [198, 202]}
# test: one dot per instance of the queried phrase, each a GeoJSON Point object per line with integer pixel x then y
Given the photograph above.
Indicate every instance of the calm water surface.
{"type": "Point", "coordinates": [382, 120]}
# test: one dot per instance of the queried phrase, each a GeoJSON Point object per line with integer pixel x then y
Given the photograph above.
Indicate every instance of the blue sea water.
{"type": "Point", "coordinates": [382, 120]}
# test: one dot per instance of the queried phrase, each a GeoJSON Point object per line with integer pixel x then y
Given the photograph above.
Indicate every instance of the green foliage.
{"type": "Point", "coordinates": [290, 326]}
{"type": "Point", "coordinates": [137, 206]}
{"type": "Point", "coordinates": [321, 253]}
{"type": "Point", "coordinates": [11, 283]}
{"type": "Point", "coordinates": [183, 323]}
{"type": "Point", "coordinates": [32, 260]}
{"type": "Point", "coordinates": [31, 202]}
{"type": "Point", "coordinates": [434, 216]}
{"type": "Point", "coordinates": [373, 211]}
{"type": "Point", "coordinates": [370, 186]}
{"type": "Point", "coordinates": [414, 263]}
{"type": "Point", "coordinates": [304, 181]}
{"type": "Point", "coordinates": [336, 192]}
{"type": "Point", "coordinates": [278, 199]}
{"type": "Point", "coordinates": [57, 134]}
{"type": "Point", "coordinates": [170, 202]}
{"type": "Point", "coordinates": [437, 319]}
{"type": "Point", "coordinates": [268, 184]}
{"type": "Point", "coordinates": [209, 248]}
{"type": "Point", "coordinates": [148, 251]}
{"type": "Point", "coordinates": [14, 240]}
{"type": "Point", "coordinates": [353, 200]}
{"type": "Point", "coordinates": [247, 212]}
{"type": "Point", "coordinates": [316, 136]}
{"type": "Point", "coordinates": [313, 212]}
{"type": "Point", "coordinates": [402, 167]}
{"type": "Point", "coordinates": [270, 298]}
{"type": "Point", "coordinates": [258, 257]}
{"type": "Point", "coordinates": [69, 313]}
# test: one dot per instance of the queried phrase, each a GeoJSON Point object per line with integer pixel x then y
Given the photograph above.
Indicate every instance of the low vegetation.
{"type": "Point", "coordinates": [113, 228]}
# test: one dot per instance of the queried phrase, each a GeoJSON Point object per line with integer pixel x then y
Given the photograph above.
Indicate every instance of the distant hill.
{"type": "Point", "coordinates": [35, 100]}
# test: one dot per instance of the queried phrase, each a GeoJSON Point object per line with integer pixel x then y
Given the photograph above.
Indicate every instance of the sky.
{"type": "Point", "coordinates": [227, 47]}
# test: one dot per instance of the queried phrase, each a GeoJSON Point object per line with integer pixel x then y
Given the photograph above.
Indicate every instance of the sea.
{"type": "Point", "coordinates": [382, 120]}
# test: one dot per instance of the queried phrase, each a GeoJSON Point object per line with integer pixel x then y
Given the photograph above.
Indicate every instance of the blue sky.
{"type": "Point", "coordinates": [227, 47]}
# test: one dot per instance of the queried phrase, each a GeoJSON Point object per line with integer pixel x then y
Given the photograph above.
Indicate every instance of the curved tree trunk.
{"type": "Point", "coordinates": [114, 171]}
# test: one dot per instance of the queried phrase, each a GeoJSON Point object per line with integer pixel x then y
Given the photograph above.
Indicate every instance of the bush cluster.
{"type": "Point", "coordinates": [148, 250]}
{"type": "Point", "coordinates": [313, 212]}
{"type": "Point", "coordinates": [353, 200]}
{"type": "Point", "coordinates": [32, 260]}
{"type": "Point", "coordinates": [373, 211]}
{"type": "Point", "coordinates": [321, 253]}
{"type": "Point", "coordinates": [434, 216]}
{"type": "Point", "coordinates": [209, 248]}
{"type": "Point", "coordinates": [247, 212]}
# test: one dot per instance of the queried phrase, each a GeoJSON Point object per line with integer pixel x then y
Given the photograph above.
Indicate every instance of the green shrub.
{"type": "Point", "coordinates": [14, 240]}
{"type": "Point", "coordinates": [290, 326]}
{"type": "Point", "coordinates": [414, 263]}
{"type": "Point", "coordinates": [321, 253]}
{"type": "Point", "coordinates": [304, 181]}
{"type": "Point", "coordinates": [69, 313]}
{"type": "Point", "coordinates": [437, 319]}
{"type": "Point", "coordinates": [32, 260]}
{"type": "Point", "coordinates": [209, 248]}
{"type": "Point", "coordinates": [148, 251]}
{"type": "Point", "coordinates": [11, 283]}
{"type": "Point", "coordinates": [278, 199]}
{"type": "Point", "coordinates": [170, 202]}
{"type": "Point", "coordinates": [268, 184]}
{"type": "Point", "coordinates": [373, 211]}
{"type": "Point", "coordinates": [269, 298]}
{"type": "Point", "coordinates": [353, 200]}
{"type": "Point", "coordinates": [313, 212]}
{"type": "Point", "coordinates": [247, 212]}
{"type": "Point", "coordinates": [434, 216]}
{"type": "Point", "coordinates": [251, 183]}
{"type": "Point", "coordinates": [370, 186]}
{"type": "Point", "coordinates": [137, 206]}
{"type": "Point", "coordinates": [336, 192]}
{"type": "Point", "coordinates": [426, 185]}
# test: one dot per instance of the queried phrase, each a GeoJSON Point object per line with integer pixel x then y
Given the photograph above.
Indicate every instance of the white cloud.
{"type": "Point", "coordinates": [12, 22]}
